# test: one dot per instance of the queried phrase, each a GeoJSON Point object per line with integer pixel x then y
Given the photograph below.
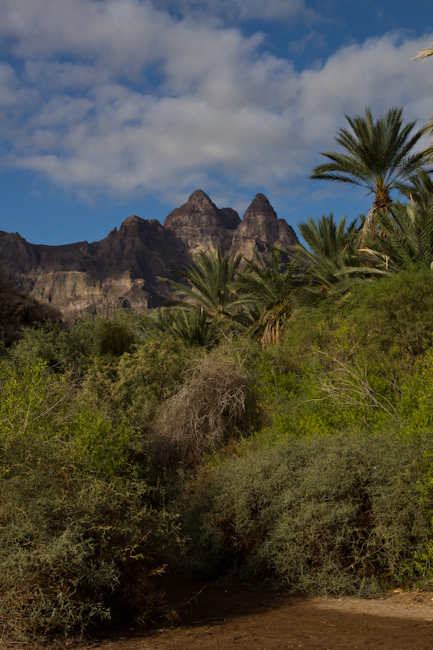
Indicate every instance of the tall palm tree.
{"type": "Point", "coordinates": [210, 278]}
{"type": "Point", "coordinates": [428, 128]}
{"type": "Point", "coordinates": [377, 156]}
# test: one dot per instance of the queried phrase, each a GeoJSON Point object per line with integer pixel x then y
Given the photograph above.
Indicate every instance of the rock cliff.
{"type": "Point", "coordinates": [122, 269]}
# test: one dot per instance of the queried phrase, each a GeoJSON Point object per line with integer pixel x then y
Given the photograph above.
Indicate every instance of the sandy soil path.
{"type": "Point", "coordinates": [232, 618]}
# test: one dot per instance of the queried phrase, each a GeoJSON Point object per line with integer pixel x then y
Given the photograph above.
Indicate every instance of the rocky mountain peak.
{"type": "Point", "coordinates": [124, 269]}
{"type": "Point", "coordinates": [200, 212]}
{"type": "Point", "coordinates": [260, 208]}
{"type": "Point", "coordinates": [131, 220]}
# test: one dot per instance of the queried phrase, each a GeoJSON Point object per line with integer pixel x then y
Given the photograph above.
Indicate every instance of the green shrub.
{"type": "Point", "coordinates": [392, 317]}
{"type": "Point", "coordinates": [75, 550]}
{"type": "Point", "coordinates": [58, 345]}
{"type": "Point", "coordinates": [132, 386]}
{"type": "Point", "coordinates": [115, 337]}
{"type": "Point", "coordinates": [333, 515]}
{"type": "Point", "coordinates": [39, 408]}
{"type": "Point", "coordinates": [81, 539]}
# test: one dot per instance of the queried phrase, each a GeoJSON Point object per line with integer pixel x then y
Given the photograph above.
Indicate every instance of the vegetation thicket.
{"type": "Point", "coordinates": [272, 424]}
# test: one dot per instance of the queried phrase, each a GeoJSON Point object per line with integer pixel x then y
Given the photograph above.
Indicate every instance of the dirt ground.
{"type": "Point", "coordinates": [221, 617]}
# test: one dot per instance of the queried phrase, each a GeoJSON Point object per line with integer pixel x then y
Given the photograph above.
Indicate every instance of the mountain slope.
{"type": "Point", "coordinates": [122, 269]}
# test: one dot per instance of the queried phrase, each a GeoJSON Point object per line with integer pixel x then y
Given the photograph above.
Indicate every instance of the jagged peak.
{"type": "Point", "coordinates": [200, 212]}
{"type": "Point", "coordinates": [259, 208]}
{"type": "Point", "coordinates": [198, 195]}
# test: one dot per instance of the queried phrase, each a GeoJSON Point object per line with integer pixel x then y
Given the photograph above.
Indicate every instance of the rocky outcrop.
{"type": "Point", "coordinates": [200, 225]}
{"type": "Point", "coordinates": [260, 230]}
{"type": "Point", "coordinates": [122, 270]}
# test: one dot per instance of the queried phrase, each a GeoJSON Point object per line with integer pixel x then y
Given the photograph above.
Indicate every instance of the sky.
{"type": "Point", "coordinates": [116, 107]}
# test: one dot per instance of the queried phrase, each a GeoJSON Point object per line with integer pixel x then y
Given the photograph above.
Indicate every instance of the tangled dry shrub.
{"type": "Point", "coordinates": [210, 408]}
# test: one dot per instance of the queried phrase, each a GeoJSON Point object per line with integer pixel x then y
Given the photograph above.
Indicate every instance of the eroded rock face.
{"type": "Point", "coordinates": [200, 225]}
{"type": "Point", "coordinates": [122, 270]}
{"type": "Point", "coordinates": [260, 230]}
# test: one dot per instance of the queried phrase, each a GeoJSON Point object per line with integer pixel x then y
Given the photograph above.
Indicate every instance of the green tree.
{"type": "Point", "coordinates": [332, 254]}
{"type": "Point", "coordinates": [407, 237]}
{"type": "Point", "coordinates": [210, 278]}
{"type": "Point", "coordinates": [267, 292]}
{"type": "Point", "coordinates": [377, 155]}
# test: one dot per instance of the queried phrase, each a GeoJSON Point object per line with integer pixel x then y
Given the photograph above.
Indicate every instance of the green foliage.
{"type": "Point", "coordinates": [81, 539]}
{"type": "Point", "coordinates": [191, 326]}
{"type": "Point", "coordinates": [267, 296]}
{"type": "Point", "coordinates": [131, 387]}
{"type": "Point", "coordinates": [114, 338]}
{"type": "Point", "coordinates": [59, 346]}
{"type": "Point", "coordinates": [76, 549]}
{"type": "Point", "coordinates": [210, 277]}
{"type": "Point", "coordinates": [39, 408]}
{"type": "Point", "coordinates": [422, 570]}
{"type": "Point", "coordinates": [331, 252]}
{"type": "Point", "coordinates": [33, 409]}
{"type": "Point", "coordinates": [393, 317]}
{"type": "Point", "coordinates": [334, 515]}
{"type": "Point", "coordinates": [406, 237]}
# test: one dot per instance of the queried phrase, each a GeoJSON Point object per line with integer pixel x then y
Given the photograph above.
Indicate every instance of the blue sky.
{"type": "Point", "coordinates": [117, 107]}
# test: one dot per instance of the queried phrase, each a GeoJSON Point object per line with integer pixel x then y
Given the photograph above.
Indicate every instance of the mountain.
{"type": "Point", "coordinates": [122, 270]}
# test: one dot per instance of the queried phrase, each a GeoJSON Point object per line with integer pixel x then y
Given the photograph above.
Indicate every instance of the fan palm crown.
{"type": "Point", "coordinates": [331, 251]}
{"type": "Point", "coordinates": [378, 155]}
{"type": "Point", "coordinates": [267, 295]}
{"type": "Point", "coordinates": [209, 277]}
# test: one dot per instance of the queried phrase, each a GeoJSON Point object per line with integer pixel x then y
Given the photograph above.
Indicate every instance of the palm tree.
{"type": "Point", "coordinates": [378, 157]}
{"type": "Point", "coordinates": [191, 326]}
{"type": "Point", "coordinates": [210, 277]}
{"type": "Point", "coordinates": [420, 189]}
{"type": "Point", "coordinates": [267, 296]}
{"type": "Point", "coordinates": [331, 253]}
{"type": "Point", "coordinates": [428, 128]}
{"type": "Point", "coordinates": [408, 237]}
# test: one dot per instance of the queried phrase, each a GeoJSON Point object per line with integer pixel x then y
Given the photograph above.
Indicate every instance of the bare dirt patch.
{"type": "Point", "coordinates": [229, 617]}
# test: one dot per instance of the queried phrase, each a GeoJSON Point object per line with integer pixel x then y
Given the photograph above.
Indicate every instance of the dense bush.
{"type": "Point", "coordinates": [133, 385]}
{"type": "Point", "coordinates": [392, 317]}
{"type": "Point", "coordinates": [82, 536]}
{"type": "Point", "coordinates": [78, 549]}
{"type": "Point", "coordinates": [331, 515]}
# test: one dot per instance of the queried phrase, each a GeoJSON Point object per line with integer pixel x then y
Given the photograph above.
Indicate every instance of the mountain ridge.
{"type": "Point", "coordinates": [122, 269]}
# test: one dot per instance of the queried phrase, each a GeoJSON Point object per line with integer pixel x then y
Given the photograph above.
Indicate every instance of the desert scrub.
{"type": "Point", "coordinates": [81, 538]}
{"type": "Point", "coordinates": [331, 515]}
{"type": "Point", "coordinates": [215, 404]}
{"type": "Point", "coordinates": [76, 550]}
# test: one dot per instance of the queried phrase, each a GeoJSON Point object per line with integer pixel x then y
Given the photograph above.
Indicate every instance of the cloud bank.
{"type": "Point", "coordinates": [121, 97]}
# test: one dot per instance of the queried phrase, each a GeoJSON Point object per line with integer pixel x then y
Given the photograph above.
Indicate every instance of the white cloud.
{"type": "Point", "coordinates": [244, 9]}
{"type": "Point", "coordinates": [116, 96]}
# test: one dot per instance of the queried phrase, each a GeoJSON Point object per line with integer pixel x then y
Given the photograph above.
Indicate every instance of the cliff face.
{"type": "Point", "coordinates": [122, 269]}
